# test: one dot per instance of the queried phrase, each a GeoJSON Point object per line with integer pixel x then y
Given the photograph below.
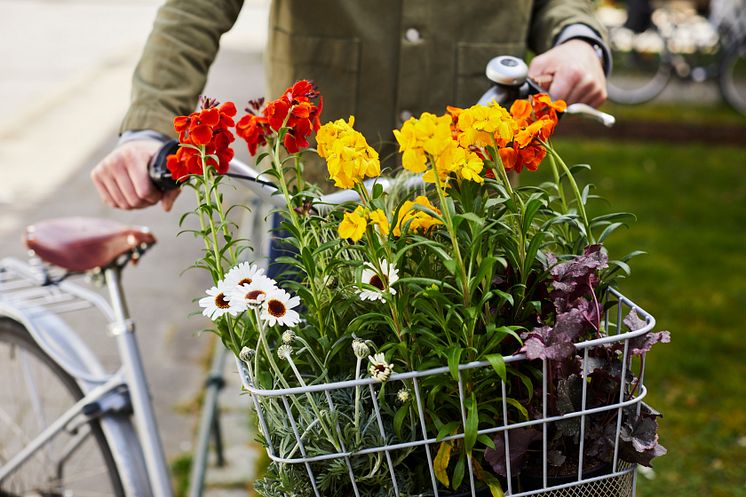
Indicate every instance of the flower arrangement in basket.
{"type": "Point", "coordinates": [457, 337]}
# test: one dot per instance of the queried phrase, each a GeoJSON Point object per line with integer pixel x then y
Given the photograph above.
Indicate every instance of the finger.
{"type": "Point", "coordinates": [562, 84]}
{"type": "Point", "coordinates": [168, 199]}
{"type": "Point", "coordinates": [115, 194]}
{"type": "Point", "coordinates": [103, 192]}
{"type": "Point", "coordinates": [582, 91]}
{"type": "Point", "coordinates": [539, 65]}
{"type": "Point", "coordinates": [127, 188]}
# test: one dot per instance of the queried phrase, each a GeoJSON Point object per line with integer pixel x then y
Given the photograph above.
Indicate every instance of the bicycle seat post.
{"type": "Point", "coordinates": [124, 330]}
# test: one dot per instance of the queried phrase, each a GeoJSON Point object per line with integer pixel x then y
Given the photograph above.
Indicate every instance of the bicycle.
{"type": "Point", "coordinates": [65, 412]}
{"type": "Point", "coordinates": [654, 42]}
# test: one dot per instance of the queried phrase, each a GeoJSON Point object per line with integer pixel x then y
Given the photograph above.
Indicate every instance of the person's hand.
{"type": "Point", "coordinates": [575, 71]}
{"type": "Point", "coordinates": [122, 179]}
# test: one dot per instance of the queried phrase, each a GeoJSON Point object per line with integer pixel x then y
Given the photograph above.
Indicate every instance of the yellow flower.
{"type": "Point", "coordinates": [417, 219]}
{"type": "Point", "coordinates": [348, 156]}
{"type": "Point", "coordinates": [430, 139]}
{"type": "Point", "coordinates": [418, 138]}
{"type": "Point", "coordinates": [378, 217]}
{"type": "Point", "coordinates": [471, 167]}
{"type": "Point", "coordinates": [481, 126]}
{"type": "Point", "coordinates": [354, 224]}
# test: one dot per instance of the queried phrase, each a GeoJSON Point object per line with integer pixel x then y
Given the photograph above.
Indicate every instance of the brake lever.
{"type": "Point", "coordinates": [586, 110]}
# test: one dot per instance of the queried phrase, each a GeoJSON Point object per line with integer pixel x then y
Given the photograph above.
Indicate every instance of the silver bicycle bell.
{"type": "Point", "coordinates": [510, 75]}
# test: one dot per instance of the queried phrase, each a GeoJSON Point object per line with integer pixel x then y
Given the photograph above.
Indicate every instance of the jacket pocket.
{"type": "Point", "coordinates": [333, 64]}
{"type": "Point", "coordinates": [471, 61]}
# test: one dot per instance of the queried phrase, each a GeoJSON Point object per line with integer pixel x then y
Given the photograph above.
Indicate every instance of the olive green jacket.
{"type": "Point", "coordinates": [381, 60]}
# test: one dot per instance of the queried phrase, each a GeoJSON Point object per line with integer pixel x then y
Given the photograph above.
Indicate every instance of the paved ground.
{"type": "Point", "coordinates": [65, 84]}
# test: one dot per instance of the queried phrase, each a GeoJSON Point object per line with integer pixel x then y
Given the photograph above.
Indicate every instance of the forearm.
{"type": "Point", "coordinates": [172, 70]}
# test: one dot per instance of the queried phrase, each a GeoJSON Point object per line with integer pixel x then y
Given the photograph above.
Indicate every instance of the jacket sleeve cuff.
{"type": "Point", "coordinates": [141, 134]}
{"type": "Point", "coordinates": [146, 117]}
{"type": "Point", "coordinates": [584, 32]}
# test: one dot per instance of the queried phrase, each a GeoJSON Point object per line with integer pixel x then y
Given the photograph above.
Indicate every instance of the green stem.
{"type": "Point", "coordinates": [332, 439]}
{"type": "Point", "coordinates": [576, 191]}
{"type": "Point", "coordinates": [454, 239]}
{"type": "Point", "coordinates": [295, 220]}
{"type": "Point", "coordinates": [357, 400]}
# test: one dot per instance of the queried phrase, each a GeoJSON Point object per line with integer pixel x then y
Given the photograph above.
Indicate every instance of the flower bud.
{"type": "Point", "coordinates": [360, 348]}
{"type": "Point", "coordinates": [288, 336]}
{"type": "Point", "coordinates": [284, 352]}
{"type": "Point", "coordinates": [246, 354]}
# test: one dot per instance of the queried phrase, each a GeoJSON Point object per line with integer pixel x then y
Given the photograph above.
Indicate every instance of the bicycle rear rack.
{"type": "Point", "coordinates": [35, 288]}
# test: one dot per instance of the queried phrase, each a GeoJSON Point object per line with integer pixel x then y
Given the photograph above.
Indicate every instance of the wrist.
{"type": "Point", "coordinates": [587, 35]}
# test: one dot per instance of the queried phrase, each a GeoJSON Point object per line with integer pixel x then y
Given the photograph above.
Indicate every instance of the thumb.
{"type": "Point", "coordinates": [168, 199]}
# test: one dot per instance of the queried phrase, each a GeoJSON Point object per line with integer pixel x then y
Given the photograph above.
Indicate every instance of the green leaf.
{"type": "Point", "coordinates": [609, 230]}
{"type": "Point", "coordinates": [458, 471]}
{"type": "Point", "coordinates": [494, 484]}
{"type": "Point", "coordinates": [518, 406]}
{"type": "Point", "coordinates": [399, 418]}
{"type": "Point", "coordinates": [498, 364]}
{"type": "Point", "coordinates": [532, 207]}
{"type": "Point", "coordinates": [447, 429]}
{"type": "Point", "coordinates": [468, 216]}
{"type": "Point", "coordinates": [472, 423]}
{"type": "Point", "coordinates": [441, 461]}
{"type": "Point", "coordinates": [454, 359]}
{"type": "Point", "coordinates": [486, 441]}
{"type": "Point", "coordinates": [526, 382]}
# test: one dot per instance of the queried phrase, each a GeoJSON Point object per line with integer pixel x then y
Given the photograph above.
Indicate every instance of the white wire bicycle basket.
{"type": "Point", "coordinates": [616, 479]}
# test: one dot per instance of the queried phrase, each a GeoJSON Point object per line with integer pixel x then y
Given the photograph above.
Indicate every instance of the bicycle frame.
{"type": "Point", "coordinates": [138, 454]}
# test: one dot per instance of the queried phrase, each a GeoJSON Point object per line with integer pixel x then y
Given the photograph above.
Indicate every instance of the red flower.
{"type": "Point", "coordinates": [296, 110]}
{"type": "Point", "coordinates": [208, 129]}
{"type": "Point", "coordinates": [253, 129]}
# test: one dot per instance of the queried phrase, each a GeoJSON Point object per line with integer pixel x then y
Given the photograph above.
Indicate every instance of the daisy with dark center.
{"type": "Point", "coordinates": [380, 282]}
{"type": "Point", "coordinates": [379, 368]}
{"type": "Point", "coordinates": [243, 274]}
{"type": "Point", "coordinates": [218, 303]}
{"type": "Point", "coordinates": [277, 308]}
{"type": "Point", "coordinates": [253, 293]}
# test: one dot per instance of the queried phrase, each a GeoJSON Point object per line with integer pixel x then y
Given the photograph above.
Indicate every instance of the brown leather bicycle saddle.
{"type": "Point", "coordinates": [81, 244]}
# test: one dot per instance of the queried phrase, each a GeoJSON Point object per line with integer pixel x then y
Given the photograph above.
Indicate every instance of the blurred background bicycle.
{"type": "Point", "coordinates": [655, 41]}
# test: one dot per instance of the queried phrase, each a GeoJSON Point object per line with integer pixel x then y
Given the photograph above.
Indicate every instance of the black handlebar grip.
{"type": "Point", "coordinates": [159, 173]}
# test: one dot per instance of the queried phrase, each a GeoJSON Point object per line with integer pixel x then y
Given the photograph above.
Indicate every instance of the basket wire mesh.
{"type": "Point", "coordinates": [618, 480]}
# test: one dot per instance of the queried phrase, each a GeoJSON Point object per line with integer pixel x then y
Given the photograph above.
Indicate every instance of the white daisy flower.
{"type": "Point", "coordinates": [255, 292]}
{"type": "Point", "coordinates": [403, 395]}
{"type": "Point", "coordinates": [243, 274]}
{"type": "Point", "coordinates": [284, 352]}
{"type": "Point", "coordinates": [379, 368]}
{"type": "Point", "coordinates": [382, 282]}
{"type": "Point", "coordinates": [360, 348]}
{"type": "Point", "coordinates": [277, 308]}
{"type": "Point", "coordinates": [218, 303]}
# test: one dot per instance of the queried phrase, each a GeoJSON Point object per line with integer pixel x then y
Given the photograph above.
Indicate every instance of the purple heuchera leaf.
{"type": "Point", "coordinates": [643, 343]}
{"type": "Point", "coordinates": [519, 440]}
{"type": "Point", "coordinates": [573, 278]}
{"type": "Point", "coordinates": [639, 439]}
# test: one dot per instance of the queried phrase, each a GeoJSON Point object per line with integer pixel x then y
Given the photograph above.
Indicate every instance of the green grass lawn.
{"type": "Point", "coordinates": [691, 206]}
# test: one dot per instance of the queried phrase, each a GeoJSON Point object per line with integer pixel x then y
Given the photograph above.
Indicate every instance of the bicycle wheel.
{"type": "Point", "coordinates": [641, 66]}
{"type": "Point", "coordinates": [733, 77]}
{"type": "Point", "coordinates": [34, 391]}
